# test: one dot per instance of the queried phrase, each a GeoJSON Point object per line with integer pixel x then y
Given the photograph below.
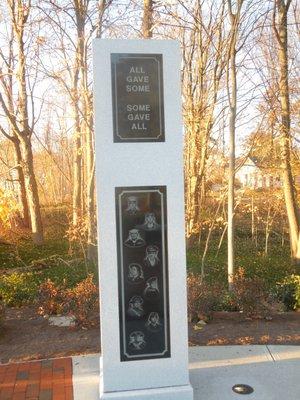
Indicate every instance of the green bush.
{"type": "Point", "coordinates": [21, 288]}
{"type": "Point", "coordinates": [288, 291]}
{"type": "Point", "coordinates": [18, 288]}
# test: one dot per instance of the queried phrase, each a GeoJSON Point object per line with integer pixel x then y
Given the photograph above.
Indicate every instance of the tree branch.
{"type": "Point", "coordinates": [5, 134]}
{"type": "Point", "coordinates": [11, 118]}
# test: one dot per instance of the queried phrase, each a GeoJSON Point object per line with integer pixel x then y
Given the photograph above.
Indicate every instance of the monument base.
{"type": "Point", "coordinates": [168, 393]}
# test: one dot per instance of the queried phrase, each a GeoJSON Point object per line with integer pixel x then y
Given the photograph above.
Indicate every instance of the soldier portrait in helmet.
{"type": "Point", "coordinates": [151, 257]}
{"type": "Point", "coordinates": [134, 239]}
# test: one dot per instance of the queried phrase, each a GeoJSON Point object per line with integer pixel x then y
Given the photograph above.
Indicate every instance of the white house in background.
{"type": "Point", "coordinates": [253, 175]}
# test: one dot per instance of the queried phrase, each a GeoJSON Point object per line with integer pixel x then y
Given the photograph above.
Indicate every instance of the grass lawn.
{"type": "Point", "coordinates": [53, 261]}
{"type": "Point", "coordinates": [35, 264]}
{"type": "Point", "coordinates": [271, 268]}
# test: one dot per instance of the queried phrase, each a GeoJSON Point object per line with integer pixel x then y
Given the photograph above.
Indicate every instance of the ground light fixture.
{"type": "Point", "coordinates": [241, 388]}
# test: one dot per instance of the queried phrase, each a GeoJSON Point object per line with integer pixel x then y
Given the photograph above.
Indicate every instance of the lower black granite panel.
{"type": "Point", "coordinates": [141, 216]}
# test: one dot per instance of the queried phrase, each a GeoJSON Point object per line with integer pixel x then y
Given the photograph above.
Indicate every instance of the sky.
{"type": "Point", "coordinates": [124, 21]}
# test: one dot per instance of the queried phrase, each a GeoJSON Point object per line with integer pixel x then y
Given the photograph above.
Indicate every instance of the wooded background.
{"type": "Point", "coordinates": [240, 96]}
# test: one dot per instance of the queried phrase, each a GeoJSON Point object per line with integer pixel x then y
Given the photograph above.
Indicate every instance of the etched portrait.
{"type": "Point", "coordinates": [137, 340]}
{"type": "Point", "coordinates": [151, 257]}
{"type": "Point", "coordinates": [135, 307]}
{"type": "Point", "coordinates": [151, 289]}
{"type": "Point", "coordinates": [134, 239]}
{"type": "Point", "coordinates": [135, 273]}
{"type": "Point", "coordinates": [150, 223]}
{"type": "Point", "coordinates": [132, 205]}
{"type": "Point", "coordinates": [153, 323]}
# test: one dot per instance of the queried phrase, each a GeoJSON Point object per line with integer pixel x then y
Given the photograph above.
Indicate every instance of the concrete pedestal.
{"type": "Point", "coordinates": [163, 376]}
{"type": "Point", "coordinates": [169, 393]}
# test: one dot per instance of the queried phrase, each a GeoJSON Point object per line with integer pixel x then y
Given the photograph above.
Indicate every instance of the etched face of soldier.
{"type": "Point", "coordinates": [132, 205]}
{"type": "Point", "coordinates": [150, 221]}
{"type": "Point", "coordinates": [153, 319]}
{"type": "Point", "coordinates": [135, 273]}
{"type": "Point", "coordinates": [151, 286]}
{"type": "Point", "coordinates": [153, 322]}
{"type": "Point", "coordinates": [135, 308]}
{"type": "Point", "coordinates": [134, 239]}
{"type": "Point", "coordinates": [151, 257]}
{"type": "Point", "coordinates": [136, 302]}
{"type": "Point", "coordinates": [137, 340]}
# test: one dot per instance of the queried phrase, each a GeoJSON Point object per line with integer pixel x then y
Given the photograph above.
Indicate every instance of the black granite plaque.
{"type": "Point", "coordinates": [137, 91]}
{"type": "Point", "coordinates": [143, 272]}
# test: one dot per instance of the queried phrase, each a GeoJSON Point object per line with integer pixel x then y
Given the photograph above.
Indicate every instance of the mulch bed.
{"type": "Point", "coordinates": [234, 329]}
{"type": "Point", "coordinates": [28, 336]}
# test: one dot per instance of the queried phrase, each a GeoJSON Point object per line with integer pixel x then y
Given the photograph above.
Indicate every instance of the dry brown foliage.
{"type": "Point", "coordinates": [82, 301]}
{"type": "Point", "coordinates": [251, 296]}
{"type": "Point", "coordinates": [203, 299]}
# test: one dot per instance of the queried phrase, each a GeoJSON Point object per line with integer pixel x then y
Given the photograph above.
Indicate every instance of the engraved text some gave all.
{"type": "Point", "coordinates": [138, 82]}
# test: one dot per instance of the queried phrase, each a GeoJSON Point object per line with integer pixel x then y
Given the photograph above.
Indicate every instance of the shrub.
{"type": "Point", "coordinates": [51, 298]}
{"type": "Point", "coordinates": [288, 291]}
{"type": "Point", "coordinates": [83, 301]}
{"type": "Point", "coordinates": [250, 295]}
{"type": "Point", "coordinates": [229, 302]}
{"type": "Point", "coordinates": [17, 289]}
{"type": "Point", "coordinates": [21, 288]}
{"type": "Point", "coordinates": [203, 299]}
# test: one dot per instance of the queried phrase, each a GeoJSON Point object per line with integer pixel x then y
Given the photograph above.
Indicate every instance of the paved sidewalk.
{"type": "Point", "coordinates": [272, 371]}
{"type": "Point", "coordinates": [37, 380]}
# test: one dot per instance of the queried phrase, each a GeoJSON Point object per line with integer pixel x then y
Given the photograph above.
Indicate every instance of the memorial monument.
{"type": "Point", "coordinates": [139, 169]}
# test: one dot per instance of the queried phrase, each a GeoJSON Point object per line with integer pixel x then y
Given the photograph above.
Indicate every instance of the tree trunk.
{"type": "Point", "coordinates": [267, 230]}
{"type": "Point", "coordinates": [19, 119]}
{"type": "Point", "coordinates": [231, 170]}
{"type": "Point", "coordinates": [252, 219]}
{"type": "Point", "coordinates": [285, 128]}
{"type": "Point", "coordinates": [147, 23]}
{"type": "Point", "coordinates": [101, 9]}
{"type": "Point", "coordinates": [90, 184]}
{"type": "Point", "coordinates": [80, 9]}
{"type": "Point", "coordinates": [90, 206]}
{"type": "Point", "coordinates": [232, 96]}
{"type": "Point", "coordinates": [32, 192]}
{"type": "Point", "coordinates": [22, 187]}
{"type": "Point", "coordinates": [77, 177]}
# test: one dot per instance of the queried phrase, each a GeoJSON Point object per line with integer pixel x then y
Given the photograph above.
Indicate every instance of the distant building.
{"type": "Point", "coordinates": [254, 175]}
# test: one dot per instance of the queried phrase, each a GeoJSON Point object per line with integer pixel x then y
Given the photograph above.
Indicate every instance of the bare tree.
{"type": "Point", "coordinates": [16, 111]}
{"type": "Point", "coordinates": [235, 17]}
{"type": "Point", "coordinates": [280, 18]}
{"type": "Point", "coordinates": [6, 79]}
{"type": "Point", "coordinates": [204, 61]}
{"type": "Point", "coordinates": [85, 21]}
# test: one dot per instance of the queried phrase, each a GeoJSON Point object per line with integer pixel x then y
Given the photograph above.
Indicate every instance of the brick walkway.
{"type": "Point", "coordinates": [37, 380]}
